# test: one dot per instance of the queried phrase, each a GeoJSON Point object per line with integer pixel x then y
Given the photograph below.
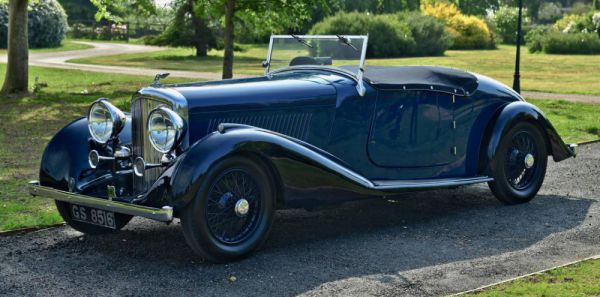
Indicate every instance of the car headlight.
{"type": "Point", "coordinates": [105, 120]}
{"type": "Point", "coordinates": [165, 128]}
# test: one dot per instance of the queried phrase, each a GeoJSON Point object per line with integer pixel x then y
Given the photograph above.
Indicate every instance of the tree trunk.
{"type": "Point", "coordinates": [200, 30]}
{"type": "Point", "coordinates": [200, 36]}
{"type": "Point", "coordinates": [15, 81]}
{"type": "Point", "coordinates": [228, 40]}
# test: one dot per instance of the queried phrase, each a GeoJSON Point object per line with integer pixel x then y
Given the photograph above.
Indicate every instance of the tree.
{"type": "Point", "coordinates": [16, 79]}
{"type": "Point", "coordinates": [188, 28]}
{"type": "Point", "coordinates": [262, 15]}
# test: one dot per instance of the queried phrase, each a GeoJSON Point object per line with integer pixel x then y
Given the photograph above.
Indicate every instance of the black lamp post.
{"type": "Point", "coordinates": [517, 78]}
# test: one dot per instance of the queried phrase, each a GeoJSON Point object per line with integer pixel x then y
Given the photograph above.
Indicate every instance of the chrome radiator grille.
{"type": "Point", "coordinates": [141, 147]}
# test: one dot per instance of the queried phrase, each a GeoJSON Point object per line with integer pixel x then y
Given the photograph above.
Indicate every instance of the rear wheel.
{"type": "Point", "coordinates": [64, 209]}
{"type": "Point", "coordinates": [520, 164]}
{"type": "Point", "coordinates": [231, 215]}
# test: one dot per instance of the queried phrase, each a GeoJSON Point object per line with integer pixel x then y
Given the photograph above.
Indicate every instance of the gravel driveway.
{"type": "Point", "coordinates": [60, 60]}
{"type": "Point", "coordinates": [423, 244]}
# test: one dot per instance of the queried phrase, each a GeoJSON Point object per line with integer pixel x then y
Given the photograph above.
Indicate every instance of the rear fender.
{"type": "Point", "coordinates": [513, 113]}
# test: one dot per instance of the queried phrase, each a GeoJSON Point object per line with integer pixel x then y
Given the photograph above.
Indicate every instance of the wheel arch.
{"type": "Point", "coordinates": [505, 118]}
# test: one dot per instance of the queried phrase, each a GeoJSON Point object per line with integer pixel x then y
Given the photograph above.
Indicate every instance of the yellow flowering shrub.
{"type": "Point", "coordinates": [468, 32]}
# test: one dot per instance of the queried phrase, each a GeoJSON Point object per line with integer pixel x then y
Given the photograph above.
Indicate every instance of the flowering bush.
{"type": "Point", "coordinates": [468, 32]}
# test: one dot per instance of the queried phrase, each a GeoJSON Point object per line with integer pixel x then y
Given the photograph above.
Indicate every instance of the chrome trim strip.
{"type": "Point", "coordinates": [430, 183]}
{"type": "Point", "coordinates": [164, 214]}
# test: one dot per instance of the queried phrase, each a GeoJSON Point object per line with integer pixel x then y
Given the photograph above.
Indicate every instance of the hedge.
{"type": "Point", "coordinates": [390, 35]}
{"type": "Point", "coordinates": [575, 43]}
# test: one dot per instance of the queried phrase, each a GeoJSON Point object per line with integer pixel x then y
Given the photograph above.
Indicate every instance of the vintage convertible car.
{"type": "Point", "coordinates": [318, 128]}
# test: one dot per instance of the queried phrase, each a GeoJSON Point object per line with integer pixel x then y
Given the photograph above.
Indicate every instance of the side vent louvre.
{"type": "Point", "coordinates": [294, 125]}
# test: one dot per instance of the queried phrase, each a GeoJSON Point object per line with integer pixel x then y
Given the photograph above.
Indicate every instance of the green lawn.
{"type": "Point", "coordinates": [67, 45]}
{"type": "Point", "coordinates": [580, 279]}
{"type": "Point", "coordinates": [27, 124]}
{"type": "Point", "coordinates": [575, 122]}
{"type": "Point", "coordinates": [540, 72]}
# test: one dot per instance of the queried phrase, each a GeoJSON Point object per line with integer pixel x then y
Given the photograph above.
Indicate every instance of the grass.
{"type": "Point", "coordinates": [580, 279]}
{"type": "Point", "coordinates": [575, 122]}
{"type": "Point", "coordinates": [575, 74]}
{"type": "Point", "coordinates": [67, 45]}
{"type": "Point", "coordinates": [27, 124]}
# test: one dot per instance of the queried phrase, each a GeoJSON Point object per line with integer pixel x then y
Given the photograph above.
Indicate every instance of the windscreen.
{"type": "Point", "coordinates": [339, 51]}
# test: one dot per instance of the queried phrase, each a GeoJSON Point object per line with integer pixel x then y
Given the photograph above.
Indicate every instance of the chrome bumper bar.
{"type": "Point", "coordinates": [164, 214]}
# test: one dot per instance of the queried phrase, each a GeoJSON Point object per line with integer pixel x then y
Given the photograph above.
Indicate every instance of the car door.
{"type": "Point", "coordinates": [412, 129]}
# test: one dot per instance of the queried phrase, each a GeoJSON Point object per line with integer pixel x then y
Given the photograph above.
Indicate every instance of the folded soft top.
{"type": "Point", "coordinates": [442, 79]}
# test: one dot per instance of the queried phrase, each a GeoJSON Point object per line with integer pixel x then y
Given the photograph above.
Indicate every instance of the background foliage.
{"type": "Point", "coordinates": [467, 31]}
{"type": "Point", "coordinates": [47, 24]}
{"type": "Point", "coordinates": [505, 21]}
{"type": "Point", "coordinates": [390, 35]}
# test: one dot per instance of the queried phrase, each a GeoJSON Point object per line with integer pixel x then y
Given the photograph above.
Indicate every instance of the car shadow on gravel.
{"type": "Point", "coordinates": [308, 249]}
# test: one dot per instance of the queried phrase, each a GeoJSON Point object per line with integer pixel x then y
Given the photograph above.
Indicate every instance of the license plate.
{"type": "Point", "coordinates": [93, 216]}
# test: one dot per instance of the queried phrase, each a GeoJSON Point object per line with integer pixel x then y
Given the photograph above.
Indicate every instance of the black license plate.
{"type": "Point", "coordinates": [93, 216]}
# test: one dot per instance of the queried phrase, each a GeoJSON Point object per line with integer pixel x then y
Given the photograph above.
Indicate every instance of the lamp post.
{"type": "Point", "coordinates": [517, 78]}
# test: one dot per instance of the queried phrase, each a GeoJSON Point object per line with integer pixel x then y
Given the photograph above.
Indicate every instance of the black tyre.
{"type": "Point", "coordinates": [232, 213]}
{"type": "Point", "coordinates": [520, 164]}
{"type": "Point", "coordinates": [64, 209]}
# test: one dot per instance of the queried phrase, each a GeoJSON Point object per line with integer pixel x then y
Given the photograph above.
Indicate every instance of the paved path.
{"type": "Point", "coordinates": [431, 243]}
{"type": "Point", "coordinates": [568, 97]}
{"type": "Point", "coordinates": [59, 60]}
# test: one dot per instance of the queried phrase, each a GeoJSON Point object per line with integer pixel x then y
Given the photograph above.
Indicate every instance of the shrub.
{"type": "Point", "coordinates": [388, 37]}
{"type": "Point", "coordinates": [429, 34]}
{"type": "Point", "coordinates": [534, 37]}
{"type": "Point", "coordinates": [575, 23]}
{"type": "Point", "coordinates": [468, 32]}
{"type": "Point", "coordinates": [505, 21]}
{"type": "Point", "coordinates": [575, 43]}
{"type": "Point", "coordinates": [47, 24]}
{"type": "Point", "coordinates": [549, 12]}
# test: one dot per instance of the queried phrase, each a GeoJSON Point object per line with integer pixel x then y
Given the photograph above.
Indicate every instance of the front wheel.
{"type": "Point", "coordinates": [520, 163]}
{"type": "Point", "coordinates": [232, 213]}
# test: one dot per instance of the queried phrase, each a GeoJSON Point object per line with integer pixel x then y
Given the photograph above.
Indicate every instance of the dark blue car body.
{"type": "Point", "coordinates": [321, 140]}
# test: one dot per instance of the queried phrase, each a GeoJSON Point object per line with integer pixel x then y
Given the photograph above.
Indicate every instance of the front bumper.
{"type": "Point", "coordinates": [164, 214]}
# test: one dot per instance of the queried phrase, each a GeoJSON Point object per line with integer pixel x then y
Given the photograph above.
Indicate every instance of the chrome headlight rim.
{"type": "Point", "coordinates": [117, 118]}
{"type": "Point", "coordinates": [178, 128]}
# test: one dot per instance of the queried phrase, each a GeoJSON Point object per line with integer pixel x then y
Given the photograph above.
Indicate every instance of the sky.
{"type": "Point", "coordinates": [162, 2]}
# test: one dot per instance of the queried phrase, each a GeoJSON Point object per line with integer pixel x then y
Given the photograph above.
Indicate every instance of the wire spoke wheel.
{"type": "Point", "coordinates": [231, 214]}
{"type": "Point", "coordinates": [520, 162]}
{"type": "Point", "coordinates": [233, 206]}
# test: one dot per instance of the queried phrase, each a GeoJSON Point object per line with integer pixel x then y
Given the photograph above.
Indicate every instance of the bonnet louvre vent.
{"type": "Point", "coordinates": [294, 125]}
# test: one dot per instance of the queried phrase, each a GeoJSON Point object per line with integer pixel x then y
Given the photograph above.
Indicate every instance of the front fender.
{"type": "Point", "coordinates": [519, 111]}
{"type": "Point", "coordinates": [301, 170]}
{"type": "Point", "coordinates": [65, 163]}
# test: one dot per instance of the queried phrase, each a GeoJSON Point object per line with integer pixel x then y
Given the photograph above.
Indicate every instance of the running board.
{"type": "Point", "coordinates": [428, 183]}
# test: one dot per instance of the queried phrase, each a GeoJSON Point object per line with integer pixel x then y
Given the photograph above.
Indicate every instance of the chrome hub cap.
{"type": "Point", "coordinates": [529, 161]}
{"type": "Point", "coordinates": [242, 207]}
